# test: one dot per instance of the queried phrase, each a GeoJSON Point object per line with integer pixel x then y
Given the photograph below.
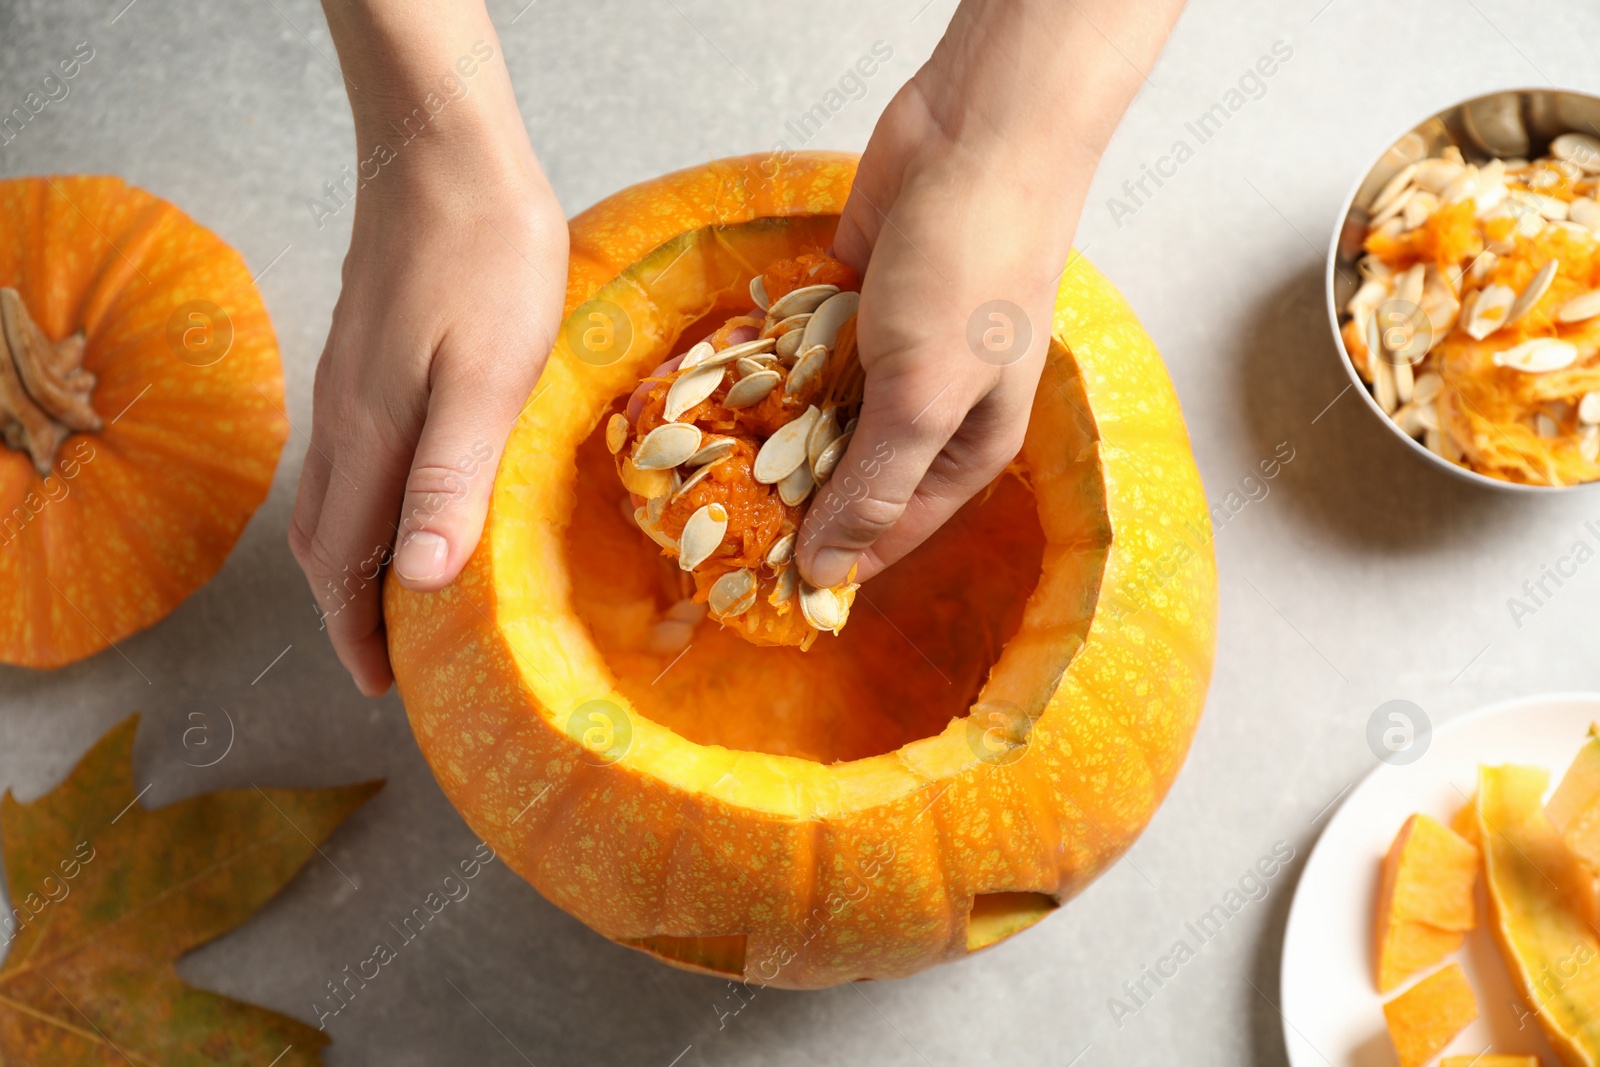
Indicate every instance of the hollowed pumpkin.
{"type": "Point", "coordinates": [996, 725]}
{"type": "Point", "coordinates": [141, 400]}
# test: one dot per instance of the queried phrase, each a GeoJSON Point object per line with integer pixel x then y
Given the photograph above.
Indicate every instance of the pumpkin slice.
{"type": "Point", "coordinates": [1424, 899]}
{"type": "Point", "coordinates": [1548, 946]}
{"type": "Point", "coordinates": [1424, 1019]}
{"type": "Point", "coordinates": [1491, 1059]}
{"type": "Point", "coordinates": [141, 398]}
{"type": "Point", "coordinates": [1574, 811]}
{"type": "Point", "coordinates": [991, 731]}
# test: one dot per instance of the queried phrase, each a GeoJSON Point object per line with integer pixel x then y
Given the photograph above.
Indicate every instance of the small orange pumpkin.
{"type": "Point", "coordinates": [996, 725]}
{"type": "Point", "coordinates": [142, 400]}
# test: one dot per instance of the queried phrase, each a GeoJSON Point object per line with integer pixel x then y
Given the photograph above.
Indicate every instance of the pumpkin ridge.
{"type": "Point", "coordinates": [119, 266]}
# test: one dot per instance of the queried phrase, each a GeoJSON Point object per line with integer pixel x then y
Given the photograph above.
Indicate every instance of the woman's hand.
{"type": "Point", "coordinates": [961, 221]}
{"type": "Point", "coordinates": [451, 297]}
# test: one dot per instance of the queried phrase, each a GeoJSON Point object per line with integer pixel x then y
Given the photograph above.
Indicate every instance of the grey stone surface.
{"type": "Point", "coordinates": [1361, 576]}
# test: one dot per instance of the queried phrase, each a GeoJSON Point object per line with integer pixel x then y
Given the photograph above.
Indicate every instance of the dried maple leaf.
{"type": "Point", "coordinates": [106, 895]}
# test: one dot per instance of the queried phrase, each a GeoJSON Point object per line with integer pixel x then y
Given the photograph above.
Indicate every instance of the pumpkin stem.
{"type": "Point", "coordinates": [44, 390]}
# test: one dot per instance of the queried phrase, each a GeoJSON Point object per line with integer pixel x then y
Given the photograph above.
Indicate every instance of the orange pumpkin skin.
{"type": "Point", "coordinates": [750, 852]}
{"type": "Point", "coordinates": [136, 516]}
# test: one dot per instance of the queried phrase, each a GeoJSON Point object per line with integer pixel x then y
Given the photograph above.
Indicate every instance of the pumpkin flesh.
{"type": "Point", "coordinates": [981, 742]}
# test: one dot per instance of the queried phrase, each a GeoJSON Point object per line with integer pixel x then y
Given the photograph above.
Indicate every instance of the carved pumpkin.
{"type": "Point", "coordinates": [142, 402]}
{"type": "Point", "coordinates": [984, 739]}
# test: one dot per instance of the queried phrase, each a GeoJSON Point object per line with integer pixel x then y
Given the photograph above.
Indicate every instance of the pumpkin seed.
{"type": "Point", "coordinates": [1373, 269]}
{"type": "Point", "coordinates": [1589, 444]}
{"type": "Point", "coordinates": [723, 356]}
{"type": "Point", "coordinates": [617, 430]}
{"type": "Point", "coordinates": [1578, 148]}
{"type": "Point", "coordinates": [822, 608]}
{"type": "Point", "coordinates": [1491, 191]}
{"type": "Point", "coordinates": [789, 344]}
{"type": "Point", "coordinates": [795, 486]}
{"type": "Point", "coordinates": [1580, 308]}
{"type": "Point", "coordinates": [758, 292]}
{"type": "Point", "coordinates": [1589, 408]}
{"type": "Point", "coordinates": [669, 637]}
{"type": "Point", "coordinates": [641, 518]}
{"type": "Point", "coordinates": [1435, 175]}
{"type": "Point", "coordinates": [1398, 204]}
{"type": "Point", "coordinates": [807, 370]}
{"type": "Point", "coordinates": [784, 450]}
{"type": "Point", "coordinates": [823, 466]}
{"type": "Point", "coordinates": [1393, 188]}
{"type": "Point", "coordinates": [1489, 311]}
{"type": "Point", "coordinates": [655, 506]}
{"type": "Point", "coordinates": [1436, 442]}
{"type": "Point", "coordinates": [702, 535]}
{"type": "Point", "coordinates": [732, 594]}
{"type": "Point", "coordinates": [697, 355]}
{"type": "Point", "coordinates": [783, 588]}
{"type": "Point", "coordinates": [693, 480]}
{"type": "Point", "coordinates": [1482, 267]}
{"type": "Point", "coordinates": [776, 327]}
{"type": "Point", "coordinates": [751, 389]}
{"type": "Point", "coordinates": [1465, 187]}
{"type": "Point", "coordinates": [1426, 389]}
{"type": "Point", "coordinates": [1404, 379]}
{"type": "Point", "coordinates": [666, 446]}
{"type": "Point", "coordinates": [1383, 386]}
{"type": "Point", "coordinates": [1533, 293]}
{"type": "Point", "coordinates": [824, 430]}
{"type": "Point", "coordinates": [801, 301]}
{"type": "Point", "coordinates": [1585, 211]}
{"type": "Point", "coordinates": [1428, 415]}
{"type": "Point", "coordinates": [1409, 419]}
{"type": "Point", "coordinates": [1408, 286]}
{"type": "Point", "coordinates": [850, 426]}
{"type": "Point", "coordinates": [713, 450]}
{"type": "Point", "coordinates": [782, 550]}
{"type": "Point", "coordinates": [748, 365]}
{"type": "Point", "coordinates": [1538, 355]}
{"type": "Point", "coordinates": [823, 329]}
{"type": "Point", "coordinates": [690, 389]}
{"type": "Point", "coordinates": [1545, 426]}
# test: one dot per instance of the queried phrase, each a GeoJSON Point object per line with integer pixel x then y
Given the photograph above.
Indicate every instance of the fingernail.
{"type": "Point", "coordinates": [422, 555]}
{"type": "Point", "coordinates": [831, 566]}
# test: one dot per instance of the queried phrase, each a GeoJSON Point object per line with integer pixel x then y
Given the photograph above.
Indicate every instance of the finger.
{"type": "Point", "coordinates": [968, 463]}
{"type": "Point", "coordinates": [904, 425]}
{"type": "Point", "coordinates": [347, 551]}
{"type": "Point", "coordinates": [470, 413]}
{"type": "Point", "coordinates": [314, 471]}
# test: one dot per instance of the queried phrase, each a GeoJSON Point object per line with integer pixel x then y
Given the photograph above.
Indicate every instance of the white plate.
{"type": "Point", "coordinates": [1332, 1013]}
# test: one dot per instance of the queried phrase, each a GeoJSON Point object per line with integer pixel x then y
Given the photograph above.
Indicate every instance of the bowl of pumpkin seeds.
{"type": "Point", "coordinates": [1463, 288]}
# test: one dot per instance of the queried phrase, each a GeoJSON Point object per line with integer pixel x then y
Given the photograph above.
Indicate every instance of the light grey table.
{"type": "Point", "coordinates": [1359, 577]}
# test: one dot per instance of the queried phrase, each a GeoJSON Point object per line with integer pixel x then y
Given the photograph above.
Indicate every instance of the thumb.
{"type": "Point", "coordinates": [452, 473]}
{"type": "Point", "coordinates": [896, 440]}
